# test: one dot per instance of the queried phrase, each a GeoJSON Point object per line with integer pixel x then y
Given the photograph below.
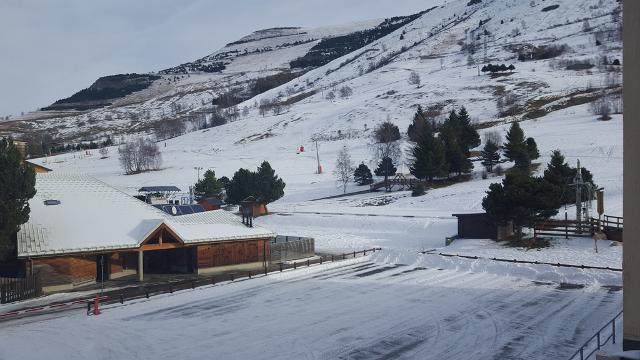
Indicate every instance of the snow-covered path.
{"type": "Point", "coordinates": [361, 309]}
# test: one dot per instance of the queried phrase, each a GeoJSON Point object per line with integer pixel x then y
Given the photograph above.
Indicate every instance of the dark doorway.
{"type": "Point", "coordinates": [169, 261]}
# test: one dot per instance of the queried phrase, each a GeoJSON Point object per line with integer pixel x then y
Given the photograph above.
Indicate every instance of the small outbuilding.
{"type": "Point", "coordinates": [481, 226]}
{"type": "Point", "coordinates": [210, 203]}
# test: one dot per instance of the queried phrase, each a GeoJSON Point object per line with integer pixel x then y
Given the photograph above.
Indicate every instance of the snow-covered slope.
{"type": "Point", "coordinates": [435, 45]}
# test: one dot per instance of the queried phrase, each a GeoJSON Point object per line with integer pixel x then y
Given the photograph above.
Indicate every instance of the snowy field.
{"type": "Point", "coordinates": [362, 309]}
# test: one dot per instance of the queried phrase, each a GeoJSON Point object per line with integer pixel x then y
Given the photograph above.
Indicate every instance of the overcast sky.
{"type": "Point", "coordinates": [51, 49]}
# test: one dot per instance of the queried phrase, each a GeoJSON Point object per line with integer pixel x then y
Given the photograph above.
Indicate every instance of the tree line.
{"type": "Point", "coordinates": [263, 184]}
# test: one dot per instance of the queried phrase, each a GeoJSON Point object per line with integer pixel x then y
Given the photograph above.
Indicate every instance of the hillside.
{"type": "Point", "coordinates": [378, 55]}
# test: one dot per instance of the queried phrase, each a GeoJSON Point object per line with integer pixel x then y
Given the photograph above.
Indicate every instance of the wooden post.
{"type": "Point", "coordinates": [140, 265]}
{"type": "Point", "coordinates": [566, 226]}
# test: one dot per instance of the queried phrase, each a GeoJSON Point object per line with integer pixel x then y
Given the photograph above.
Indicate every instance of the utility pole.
{"type": "Point", "coordinates": [578, 182]}
{"type": "Point", "coordinates": [198, 168]}
{"type": "Point", "coordinates": [318, 158]}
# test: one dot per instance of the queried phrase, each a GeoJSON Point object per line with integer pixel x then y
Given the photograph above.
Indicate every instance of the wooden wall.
{"type": "Point", "coordinates": [68, 269]}
{"type": "Point", "coordinates": [232, 253]}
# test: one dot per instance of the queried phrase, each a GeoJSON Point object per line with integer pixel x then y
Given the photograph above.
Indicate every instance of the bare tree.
{"type": "Point", "coordinates": [139, 156]}
{"type": "Point", "coordinates": [414, 79]}
{"type": "Point", "coordinates": [245, 111]}
{"type": "Point", "coordinates": [344, 168]}
{"type": "Point", "coordinates": [170, 128]}
{"type": "Point", "coordinates": [602, 107]}
{"type": "Point", "coordinates": [493, 137]}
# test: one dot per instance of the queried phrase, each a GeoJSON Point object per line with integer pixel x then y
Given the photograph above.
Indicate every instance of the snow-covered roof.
{"type": "Point", "coordinates": [93, 216]}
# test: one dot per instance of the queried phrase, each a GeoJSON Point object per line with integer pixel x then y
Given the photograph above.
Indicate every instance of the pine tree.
{"type": "Point", "coordinates": [17, 186]}
{"type": "Point", "coordinates": [521, 199]}
{"type": "Point", "coordinates": [515, 143]}
{"type": "Point", "coordinates": [561, 175]}
{"type": "Point", "coordinates": [415, 128]}
{"type": "Point", "coordinates": [454, 154]}
{"type": "Point", "coordinates": [468, 135]}
{"type": "Point", "coordinates": [532, 149]}
{"type": "Point", "coordinates": [270, 186]}
{"type": "Point", "coordinates": [241, 186]}
{"type": "Point", "coordinates": [208, 186]}
{"type": "Point", "coordinates": [386, 168]}
{"type": "Point", "coordinates": [517, 149]}
{"type": "Point", "coordinates": [428, 155]}
{"type": "Point", "coordinates": [362, 175]}
{"type": "Point", "coordinates": [490, 155]}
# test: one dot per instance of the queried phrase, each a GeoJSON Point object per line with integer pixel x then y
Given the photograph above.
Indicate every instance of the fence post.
{"type": "Point", "coordinates": [280, 266]}
{"type": "Point", "coordinates": [581, 353]}
{"type": "Point", "coordinates": [121, 299]}
{"type": "Point", "coordinates": [613, 328]}
{"type": "Point", "coordinates": [332, 258]}
{"type": "Point", "coordinates": [308, 263]}
{"type": "Point", "coordinates": [354, 254]}
{"type": "Point", "coordinates": [566, 226]}
{"type": "Point", "coordinates": [364, 252]}
{"type": "Point", "coordinates": [343, 256]}
{"type": "Point", "coordinates": [598, 336]}
{"type": "Point", "coordinates": [320, 260]}
{"type": "Point", "coordinates": [294, 265]}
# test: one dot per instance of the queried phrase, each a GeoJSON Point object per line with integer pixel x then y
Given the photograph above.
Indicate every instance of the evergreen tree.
{"type": "Point", "coordinates": [490, 155]}
{"type": "Point", "coordinates": [415, 128]}
{"type": "Point", "coordinates": [208, 186]}
{"type": "Point", "coordinates": [468, 135]}
{"type": "Point", "coordinates": [517, 149]}
{"type": "Point", "coordinates": [515, 143]}
{"type": "Point", "coordinates": [17, 186]}
{"type": "Point", "coordinates": [454, 154]}
{"type": "Point", "coordinates": [362, 175]}
{"type": "Point", "coordinates": [521, 199]}
{"type": "Point", "coordinates": [532, 149]}
{"type": "Point", "coordinates": [385, 168]}
{"type": "Point", "coordinates": [428, 155]}
{"type": "Point", "coordinates": [241, 186]}
{"type": "Point", "coordinates": [561, 175]}
{"type": "Point", "coordinates": [270, 186]}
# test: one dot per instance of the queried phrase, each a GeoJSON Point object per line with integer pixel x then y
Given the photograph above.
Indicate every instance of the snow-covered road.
{"type": "Point", "coordinates": [360, 309]}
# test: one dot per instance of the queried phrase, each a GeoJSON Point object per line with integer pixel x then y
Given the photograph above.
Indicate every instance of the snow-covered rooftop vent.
{"type": "Point", "coordinates": [52, 202]}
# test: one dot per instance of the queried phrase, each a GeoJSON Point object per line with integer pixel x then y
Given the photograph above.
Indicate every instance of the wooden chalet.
{"type": "Point", "coordinates": [81, 230]}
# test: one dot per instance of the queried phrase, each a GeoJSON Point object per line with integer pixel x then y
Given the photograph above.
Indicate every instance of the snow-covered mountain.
{"type": "Point", "coordinates": [444, 45]}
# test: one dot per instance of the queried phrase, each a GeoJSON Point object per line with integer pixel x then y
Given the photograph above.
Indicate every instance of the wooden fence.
{"type": "Point", "coordinates": [16, 289]}
{"type": "Point", "coordinates": [566, 228]}
{"type": "Point", "coordinates": [610, 225]}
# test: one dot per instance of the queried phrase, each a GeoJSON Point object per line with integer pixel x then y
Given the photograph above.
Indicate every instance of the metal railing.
{"type": "Point", "coordinates": [598, 340]}
{"type": "Point", "coordinates": [147, 291]}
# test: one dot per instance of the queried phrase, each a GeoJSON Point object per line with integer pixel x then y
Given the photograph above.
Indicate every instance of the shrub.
{"type": "Point", "coordinates": [418, 190]}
